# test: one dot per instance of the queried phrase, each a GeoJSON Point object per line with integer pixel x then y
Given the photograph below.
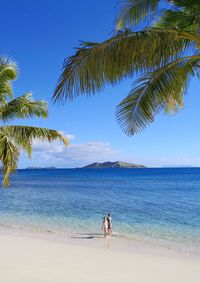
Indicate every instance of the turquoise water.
{"type": "Point", "coordinates": [153, 205]}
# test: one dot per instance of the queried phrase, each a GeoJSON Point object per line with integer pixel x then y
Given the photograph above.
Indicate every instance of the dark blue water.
{"type": "Point", "coordinates": [146, 204]}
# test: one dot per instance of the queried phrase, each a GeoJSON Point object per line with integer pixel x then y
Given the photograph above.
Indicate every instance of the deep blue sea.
{"type": "Point", "coordinates": [152, 205]}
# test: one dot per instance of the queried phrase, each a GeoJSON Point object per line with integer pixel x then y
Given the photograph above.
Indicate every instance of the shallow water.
{"type": "Point", "coordinates": [160, 206]}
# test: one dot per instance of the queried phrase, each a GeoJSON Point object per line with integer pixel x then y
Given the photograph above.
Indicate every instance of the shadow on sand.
{"type": "Point", "coordinates": [89, 236]}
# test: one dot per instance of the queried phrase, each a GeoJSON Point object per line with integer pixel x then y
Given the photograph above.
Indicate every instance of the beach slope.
{"type": "Point", "coordinates": [31, 259]}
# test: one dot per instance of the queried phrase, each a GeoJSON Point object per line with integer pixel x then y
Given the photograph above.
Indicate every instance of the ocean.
{"type": "Point", "coordinates": [152, 205]}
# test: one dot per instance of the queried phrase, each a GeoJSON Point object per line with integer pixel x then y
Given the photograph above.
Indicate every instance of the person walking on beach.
{"type": "Point", "coordinates": [105, 226]}
{"type": "Point", "coordinates": [109, 219]}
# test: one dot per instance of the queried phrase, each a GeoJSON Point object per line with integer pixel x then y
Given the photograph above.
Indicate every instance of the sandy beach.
{"type": "Point", "coordinates": [35, 257]}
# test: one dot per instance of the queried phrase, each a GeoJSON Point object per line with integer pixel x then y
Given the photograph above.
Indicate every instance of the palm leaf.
{"type": "Point", "coordinates": [189, 5]}
{"type": "Point", "coordinates": [23, 107]}
{"type": "Point", "coordinates": [14, 137]}
{"type": "Point", "coordinates": [155, 91]}
{"type": "Point", "coordinates": [8, 72]}
{"type": "Point", "coordinates": [9, 155]}
{"type": "Point", "coordinates": [133, 12]}
{"type": "Point", "coordinates": [181, 20]}
{"type": "Point", "coordinates": [127, 53]}
{"type": "Point", "coordinates": [22, 134]}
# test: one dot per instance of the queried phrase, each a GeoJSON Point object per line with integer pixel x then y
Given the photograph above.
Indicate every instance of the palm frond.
{"type": "Point", "coordinates": [133, 12]}
{"type": "Point", "coordinates": [183, 20]}
{"type": "Point", "coordinates": [22, 134]}
{"type": "Point", "coordinates": [161, 89]}
{"type": "Point", "coordinates": [8, 72]}
{"type": "Point", "coordinates": [127, 53]}
{"type": "Point", "coordinates": [9, 155]}
{"type": "Point", "coordinates": [189, 5]}
{"type": "Point", "coordinates": [13, 138]}
{"type": "Point", "coordinates": [23, 107]}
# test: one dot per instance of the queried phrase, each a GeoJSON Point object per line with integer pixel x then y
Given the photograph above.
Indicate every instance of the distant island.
{"type": "Point", "coordinates": [108, 164]}
{"type": "Point", "coordinates": [36, 167]}
{"type": "Point", "coordinates": [116, 164]}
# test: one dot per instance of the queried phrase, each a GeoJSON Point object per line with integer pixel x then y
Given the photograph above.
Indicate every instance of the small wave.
{"type": "Point", "coordinates": [179, 248]}
{"type": "Point", "coordinates": [28, 228]}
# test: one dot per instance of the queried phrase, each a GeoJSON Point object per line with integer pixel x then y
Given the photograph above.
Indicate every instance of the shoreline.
{"type": "Point", "coordinates": [28, 256]}
{"type": "Point", "coordinates": [96, 240]}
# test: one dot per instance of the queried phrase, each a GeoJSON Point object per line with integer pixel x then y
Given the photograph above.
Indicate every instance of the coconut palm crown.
{"type": "Point", "coordinates": [16, 138]}
{"type": "Point", "coordinates": [161, 59]}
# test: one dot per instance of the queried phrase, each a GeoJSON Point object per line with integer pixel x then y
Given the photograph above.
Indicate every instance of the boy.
{"type": "Point", "coordinates": [109, 218]}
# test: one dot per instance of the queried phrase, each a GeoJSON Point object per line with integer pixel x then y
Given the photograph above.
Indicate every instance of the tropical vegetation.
{"type": "Point", "coordinates": [160, 58]}
{"type": "Point", "coordinates": [14, 138]}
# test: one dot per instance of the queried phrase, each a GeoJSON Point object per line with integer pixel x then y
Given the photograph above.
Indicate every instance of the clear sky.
{"type": "Point", "coordinates": [39, 34]}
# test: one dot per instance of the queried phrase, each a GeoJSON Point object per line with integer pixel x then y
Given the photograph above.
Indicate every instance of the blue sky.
{"type": "Point", "coordinates": [39, 35]}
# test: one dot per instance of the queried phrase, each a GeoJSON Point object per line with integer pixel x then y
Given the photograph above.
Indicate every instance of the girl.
{"type": "Point", "coordinates": [105, 226]}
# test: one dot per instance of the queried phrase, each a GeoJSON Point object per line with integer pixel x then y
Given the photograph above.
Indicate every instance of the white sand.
{"type": "Point", "coordinates": [45, 259]}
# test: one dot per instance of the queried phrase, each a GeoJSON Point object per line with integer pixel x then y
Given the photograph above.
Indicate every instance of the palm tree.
{"type": "Point", "coordinates": [164, 56]}
{"type": "Point", "coordinates": [16, 138]}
